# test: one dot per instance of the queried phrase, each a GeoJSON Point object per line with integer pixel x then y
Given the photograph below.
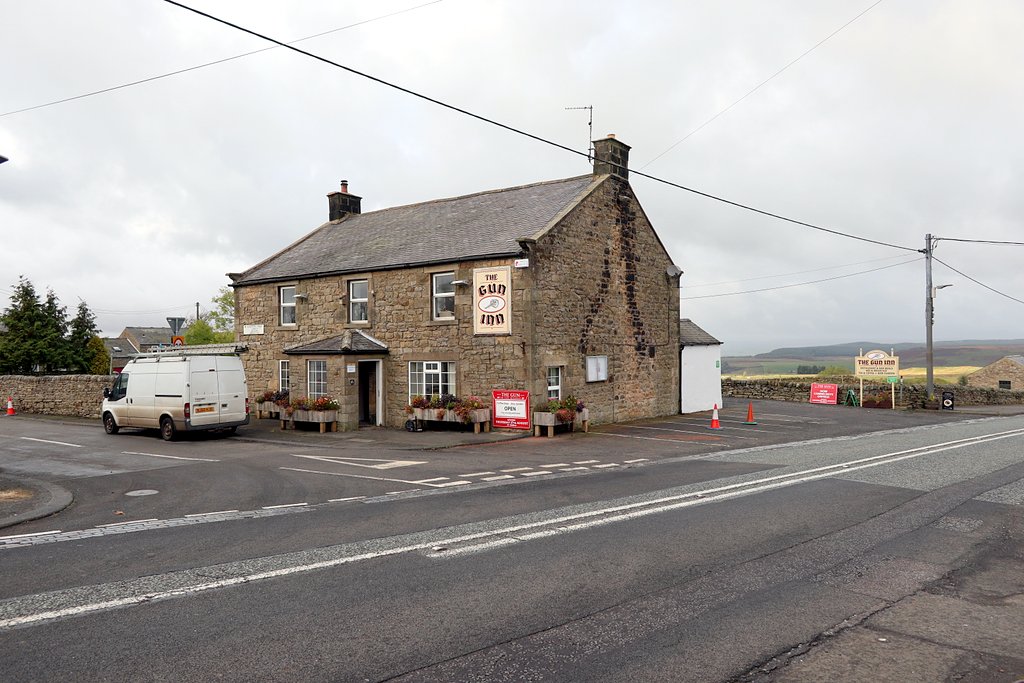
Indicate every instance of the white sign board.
{"type": "Point", "coordinates": [252, 329]}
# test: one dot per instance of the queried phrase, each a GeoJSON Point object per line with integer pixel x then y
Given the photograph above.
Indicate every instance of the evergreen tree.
{"type": "Point", "coordinates": [21, 345]}
{"type": "Point", "coordinates": [82, 331]}
{"type": "Point", "coordinates": [54, 351]}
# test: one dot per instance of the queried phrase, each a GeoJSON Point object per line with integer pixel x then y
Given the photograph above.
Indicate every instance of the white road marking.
{"type": "Point", "coordinates": [286, 505]}
{"type": "Point", "coordinates": [500, 476]}
{"type": "Point", "coordinates": [363, 476]}
{"type": "Point", "coordinates": [518, 469]}
{"type": "Point", "coordinates": [611, 464]}
{"type": "Point", "coordinates": [476, 474]}
{"type": "Point", "coordinates": [56, 443]}
{"type": "Point", "coordinates": [427, 481]}
{"type": "Point", "coordinates": [534, 474]}
{"type": "Point", "coordinates": [38, 533]}
{"type": "Point", "coordinates": [690, 431]}
{"type": "Point", "coordinates": [630, 462]}
{"type": "Point", "coordinates": [218, 512]}
{"type": "Point", "coordinates": [449, 483]}
{"type": "Point", "coordinates": [381, 463]}
{"type": "Point", "coordinates": [557, 464]}
{"type": "Point", "coordinates": [131, 521]}
{"type": "Point", "coordinates": [535, 529]}
{"type": "Point", "coordinates": [655, 438]}
{"type": "Point", "coordinates": [172, 457]}
{"type": "Point", "coordinates": [342, 500]}
{"type": "Point", "coordinates": [574, 469]}
{"type": "Point", "coordinates": [395, 493]}
{"type": "Point", "coordinates": [584, 462]}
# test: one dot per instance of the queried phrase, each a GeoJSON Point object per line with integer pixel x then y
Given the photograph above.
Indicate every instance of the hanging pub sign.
{"type": "Point", "coordinates": [492, 300]}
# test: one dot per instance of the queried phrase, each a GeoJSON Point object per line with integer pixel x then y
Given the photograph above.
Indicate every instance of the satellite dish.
{"type": "Point", "coordinates": [673, 271]}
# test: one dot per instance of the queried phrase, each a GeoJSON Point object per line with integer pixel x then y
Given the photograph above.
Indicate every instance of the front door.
{"type": "Point", "coordinates": [369, 387]}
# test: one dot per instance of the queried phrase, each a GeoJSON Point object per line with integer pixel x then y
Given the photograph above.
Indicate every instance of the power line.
{"type": "Point", "coordinates": [218, 61]}
{"type": "Point", "coordinates": [758, 86]}
{"type": "Point", "coordinates": [524, 133]}
{"type": "Point", "coordinates": [800, 284]}
{"type": "Point", "coordinates": [799, 272]}
{"type": "Point", "coordinates": [954, 239]}
{"type": "Point", "coordinates": [991, 289]}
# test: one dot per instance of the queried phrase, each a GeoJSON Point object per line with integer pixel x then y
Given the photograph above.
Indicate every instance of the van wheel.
{"type": "Point", "coordinates": [110, 424]}
{"type": "Point", "coordinates": [167, 429]}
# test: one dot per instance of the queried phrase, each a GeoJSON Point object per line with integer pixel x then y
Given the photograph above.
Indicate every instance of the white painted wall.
{"type": "Point", "coordinates": [701, 378]}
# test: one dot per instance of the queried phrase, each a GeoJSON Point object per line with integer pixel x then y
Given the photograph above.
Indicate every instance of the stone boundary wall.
{"type": "Point", "coordinates": [70, 395]}
{"type": "Point", "coordinates": [913, 395]}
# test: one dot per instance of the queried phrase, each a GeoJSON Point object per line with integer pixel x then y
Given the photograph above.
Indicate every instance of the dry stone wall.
{"type": "Point", "coordinates": [912, 395]}
{"type": "Point", "coordinates": [70, 395]}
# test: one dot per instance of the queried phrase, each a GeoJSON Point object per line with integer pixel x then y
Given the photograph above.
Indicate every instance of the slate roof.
{"type": "Point", "coordinates": [692, 335]}
{"type": "Point", "coordinates": [1017, 359]}
{"type": "Point", "coordinates": [351, 341]}
{"type": "Point", "coordinates": [483, 225]}
{"type": "Point", "coordinates": [148, 336]}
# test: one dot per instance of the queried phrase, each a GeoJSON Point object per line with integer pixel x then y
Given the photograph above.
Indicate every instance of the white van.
{"type": "Point", "coordinates": [186, 389]}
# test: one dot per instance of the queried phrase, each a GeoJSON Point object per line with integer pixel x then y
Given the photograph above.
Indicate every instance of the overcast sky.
{"type": "Point", "coordinates": [906, 122]}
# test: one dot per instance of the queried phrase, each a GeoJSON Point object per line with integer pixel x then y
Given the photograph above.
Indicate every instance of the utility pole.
{"type": "Point", "coordinates": [929, 317]}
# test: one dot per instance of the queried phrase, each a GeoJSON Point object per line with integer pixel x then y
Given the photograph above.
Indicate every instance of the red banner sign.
{"type": "Point", "coordinates": [511, 409]}
{"type": "Point", "coordinates": [824, 393]}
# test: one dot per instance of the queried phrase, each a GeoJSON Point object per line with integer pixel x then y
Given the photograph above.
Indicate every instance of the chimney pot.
{"type": "Point", "coordinates": [344, 186]}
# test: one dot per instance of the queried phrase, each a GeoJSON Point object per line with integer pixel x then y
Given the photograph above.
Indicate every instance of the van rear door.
{"type": "Point", "coordinates": [204, 390]}
{"type": "Point", "coordinates": [231, 384]}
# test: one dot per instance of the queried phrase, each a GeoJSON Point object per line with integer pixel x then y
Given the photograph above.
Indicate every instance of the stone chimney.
{"type": "Point", "coordinates": [341, 204]}
{"type": "Point", "coordinates": [611, 156]}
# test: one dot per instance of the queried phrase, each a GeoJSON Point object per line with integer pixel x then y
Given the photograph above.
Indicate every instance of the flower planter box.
{"type": "Point", "coordinates": [550, 420]}
{"type": "Point", "coordinates": [267, 409]}
{"type": "Point", "coordinates": [480, 417]}
{"type": "Point", "coordinates": [327, 419]}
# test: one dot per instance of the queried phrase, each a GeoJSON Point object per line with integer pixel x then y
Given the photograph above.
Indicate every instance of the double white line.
{"type": "Point", "coordinates": [36, 609]}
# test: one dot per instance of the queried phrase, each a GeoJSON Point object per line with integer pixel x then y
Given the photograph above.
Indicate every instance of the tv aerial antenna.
{"type": "Point", "coordinates": [590, 125]}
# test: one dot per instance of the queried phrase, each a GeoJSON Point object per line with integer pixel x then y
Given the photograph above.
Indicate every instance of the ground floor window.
{"type": "Point", "coordinates": [317, 378]}
{"type": "Point", "coordinates": [431, 378]}
{"type": "Point", "coordinates": [282, 376]}
{"type": "Point", "coordinates": [555, 383]}
{"type": "Point", "coordinates": [1004, 384]}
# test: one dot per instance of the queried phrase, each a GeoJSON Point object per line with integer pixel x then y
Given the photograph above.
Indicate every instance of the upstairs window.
{"type": "Point", "coordinates": [443, 296]}
{"type": "Point", "coordinates": [358, 301]}
{"type": "Point", "coordinates": [286, 297]}
{"type": "Point", "coordinates": [1004, 384]}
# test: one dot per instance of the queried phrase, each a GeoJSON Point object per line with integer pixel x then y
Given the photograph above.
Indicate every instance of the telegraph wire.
{"type": "Point", "coordinates": [758, 86]}
{"type": "Point", "coordinates": [991, 289]}
{"type": "Point", "coordinates": [524, 133]}
{"type": "Point", "coordinates": [800, 284]}
{"type": "Point", "coordinates": [218, 61]}
{"type": "Point", "coordinates": [799, 272]}
{"type": "Point", "coordinates": [955, 239]}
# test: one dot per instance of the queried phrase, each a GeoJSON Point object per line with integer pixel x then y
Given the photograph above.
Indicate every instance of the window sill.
{"type": "Point", "coordinates": [443, 321]}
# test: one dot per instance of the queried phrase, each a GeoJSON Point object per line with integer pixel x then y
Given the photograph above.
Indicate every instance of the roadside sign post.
{"type": "Point", "coordinates": [876, 364]}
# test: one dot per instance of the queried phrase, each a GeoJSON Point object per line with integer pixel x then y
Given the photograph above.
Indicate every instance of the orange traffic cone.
{"type": "Point", "coordinates": [750, 414]}
{"type": "Point", "coordinates": [10, 406]}
{"type": "Point", "coordinates": [714, 419]}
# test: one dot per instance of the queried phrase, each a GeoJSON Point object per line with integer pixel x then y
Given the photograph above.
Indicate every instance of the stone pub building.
{"type": "Point", "coordinates": [560, 287]}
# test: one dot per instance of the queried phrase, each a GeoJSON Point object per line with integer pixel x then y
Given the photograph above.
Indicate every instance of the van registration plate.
{"type": "Point", "coordinates": [205, 409]}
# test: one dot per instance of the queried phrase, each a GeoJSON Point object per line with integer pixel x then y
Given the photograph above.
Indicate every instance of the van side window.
{"type": "Point", "coordinates": [120, 387]}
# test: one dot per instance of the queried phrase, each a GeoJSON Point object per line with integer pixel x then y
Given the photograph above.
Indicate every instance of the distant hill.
{"type": "Point", "coordinates": [968, 352]}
